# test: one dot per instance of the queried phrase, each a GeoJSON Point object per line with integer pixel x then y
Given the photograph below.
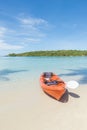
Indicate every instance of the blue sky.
{"type": "Point", "coordinates": [32, 25]}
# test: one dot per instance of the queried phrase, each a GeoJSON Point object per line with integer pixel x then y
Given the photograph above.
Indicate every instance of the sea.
{"type": "Point", "coordinates": [15, 70]}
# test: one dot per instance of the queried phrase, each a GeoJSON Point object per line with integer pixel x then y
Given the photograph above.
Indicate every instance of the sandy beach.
{"type": "Point", "coordinates": [30, 108]}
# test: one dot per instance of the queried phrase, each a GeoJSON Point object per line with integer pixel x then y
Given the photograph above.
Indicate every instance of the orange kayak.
{"type": "Point", "coordinates": [53, 85]}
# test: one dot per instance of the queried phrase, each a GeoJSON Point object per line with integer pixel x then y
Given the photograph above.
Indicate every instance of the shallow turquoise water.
{"type": "Point", "coordinates": [17, 69]}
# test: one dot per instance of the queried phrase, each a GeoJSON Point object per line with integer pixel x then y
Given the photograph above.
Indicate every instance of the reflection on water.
{"type": "Point", "coordinates": [5, 72]}
{"type": "Point", "coordinates": [78, 72]}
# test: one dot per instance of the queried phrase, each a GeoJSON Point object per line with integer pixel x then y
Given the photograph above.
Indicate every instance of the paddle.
{"type": "Point", "coordinates": [72, 84]}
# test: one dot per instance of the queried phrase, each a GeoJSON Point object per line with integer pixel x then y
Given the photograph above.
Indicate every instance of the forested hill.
{"type": "Point", "coordinates": [53, 53]}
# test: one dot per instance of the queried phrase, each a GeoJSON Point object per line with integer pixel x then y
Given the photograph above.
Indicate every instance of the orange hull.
{"type": "Point", "coordinates": [56, 91]}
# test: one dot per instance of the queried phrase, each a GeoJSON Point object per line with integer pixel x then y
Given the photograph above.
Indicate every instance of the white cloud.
{"type": "Point", "coordinates": [2, 31]}
{"type": "Point", "coordinates": [32, 30]}
{"type": "Point", "coordinates": [33, 21]}
{"type": "Point", "coordinates": [26, 30]}
{"type": "Point", "coordinates": [35, 27]}
{"type": "Point", "coordinates": [5, 46]}
{"type": "Point", "coordinates": [32, 40]}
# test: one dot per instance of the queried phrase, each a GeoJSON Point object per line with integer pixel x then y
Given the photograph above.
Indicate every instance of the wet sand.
{"type": "Point", "coordinates": [30, 108]}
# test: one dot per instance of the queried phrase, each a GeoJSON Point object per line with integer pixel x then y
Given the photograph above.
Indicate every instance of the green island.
{"type": "Point", "coordinates": [52, 53]}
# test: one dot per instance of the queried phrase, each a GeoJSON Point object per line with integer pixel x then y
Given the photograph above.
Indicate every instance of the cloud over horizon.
{"type": "Point", "coordinates": [26, 30]}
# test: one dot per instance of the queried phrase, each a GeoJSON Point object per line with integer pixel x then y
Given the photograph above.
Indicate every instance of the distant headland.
{"type": "Point", "coordinates": [52, 53]}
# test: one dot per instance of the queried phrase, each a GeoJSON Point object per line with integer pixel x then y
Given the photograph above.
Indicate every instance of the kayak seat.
{"type": "Point", "coordinates": [47, 74]}
{"type": "Point", "coordinates": [51, 82]}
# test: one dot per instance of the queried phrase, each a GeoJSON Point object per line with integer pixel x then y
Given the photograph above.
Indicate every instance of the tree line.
{"type": "Point", "coordinates": [53, 53]}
